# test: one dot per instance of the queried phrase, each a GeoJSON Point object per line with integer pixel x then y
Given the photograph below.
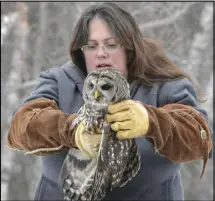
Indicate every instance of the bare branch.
{"type": "Point", "coordinates": [139, 10]}
{"type": "Point", "coordinates": [168, 20]}
{"type": "Point", "coordinates": [25, 85]}
{"type": "Point", "coordinates": [178, 40]}
{"type": "Point", "coordinates": [177, 28]}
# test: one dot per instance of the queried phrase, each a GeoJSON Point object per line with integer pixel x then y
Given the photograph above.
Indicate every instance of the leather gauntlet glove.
{"type": "Point", "coordinates": [87, 143]}
{"type": "Point", "coordinates": [128, 118]}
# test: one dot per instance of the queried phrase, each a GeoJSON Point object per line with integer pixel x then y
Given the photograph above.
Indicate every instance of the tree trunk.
{"type": "Point", "coordinates": [201, 69]}
{"type": "Point", "coordinates": [18, 169]}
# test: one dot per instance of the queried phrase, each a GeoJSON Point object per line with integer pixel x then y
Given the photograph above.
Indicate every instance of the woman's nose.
{"type": "Point", "coordinates": [102, 52]}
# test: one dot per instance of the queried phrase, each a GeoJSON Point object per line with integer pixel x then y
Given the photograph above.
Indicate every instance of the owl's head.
{"type": "Point", "coordinates": [104, 86]}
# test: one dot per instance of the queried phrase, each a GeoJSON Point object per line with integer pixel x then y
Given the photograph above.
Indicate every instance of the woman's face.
{"type": "Point", "coordinates": [103, 48]}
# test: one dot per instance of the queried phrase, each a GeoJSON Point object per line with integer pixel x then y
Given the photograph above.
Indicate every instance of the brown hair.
{"type": "Point", "coordinates": [146, 60]}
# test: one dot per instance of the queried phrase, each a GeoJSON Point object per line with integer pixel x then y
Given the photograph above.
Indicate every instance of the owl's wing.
{"type": "Point", "coordinates": [119, 161]}
{"type": "Point", "coordinates": [133, 164]}
{"type": "Point", "coordinates": [120, 157]}
{"type": "Point", "coordinates": [77, 175]}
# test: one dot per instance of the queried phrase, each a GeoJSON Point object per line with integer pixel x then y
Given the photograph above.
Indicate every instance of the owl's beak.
{"type": "Point", "coordinates": [97, 94]}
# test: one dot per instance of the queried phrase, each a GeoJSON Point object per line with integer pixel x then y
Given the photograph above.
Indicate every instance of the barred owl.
{"type": "Point", "coordinates": [118, 161]}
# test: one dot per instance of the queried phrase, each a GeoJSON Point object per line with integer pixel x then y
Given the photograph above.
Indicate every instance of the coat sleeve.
{"type": "Point", "coordinates": [179, 130]}
{"type": "Point", "coordinates": [38, 126]}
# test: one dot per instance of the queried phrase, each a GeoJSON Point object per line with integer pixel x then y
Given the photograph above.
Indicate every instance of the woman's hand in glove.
{"type": "Point", "coordinates": [128, 118]}
{"type": "Point", "coordinates": [87, 143]}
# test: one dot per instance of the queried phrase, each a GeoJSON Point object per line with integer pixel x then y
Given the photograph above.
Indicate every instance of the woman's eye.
{"type": "Point", "coordinates": [92, 47]}
{"type": "Point", "coordinates": [112, 46]}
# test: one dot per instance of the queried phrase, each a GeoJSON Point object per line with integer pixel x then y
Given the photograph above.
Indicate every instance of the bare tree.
{"type": "Point", "coordinates": [201, 51]}
{"type": "Point", "coordinates": [200, 66]}
{"type": "Point", "coordinates": [15, 166]}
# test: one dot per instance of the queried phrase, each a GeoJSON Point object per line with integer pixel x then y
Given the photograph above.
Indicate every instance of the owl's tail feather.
{"type": "Point", "coordinates": [76, 176]}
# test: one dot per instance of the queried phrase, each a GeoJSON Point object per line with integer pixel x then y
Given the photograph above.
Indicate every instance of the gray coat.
{"type": "Point", "coordinates": [158, 179]}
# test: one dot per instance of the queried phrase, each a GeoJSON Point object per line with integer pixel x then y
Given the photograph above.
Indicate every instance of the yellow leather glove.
{"type": "Point", "coordinates": [87, 143]}
{"type": "Point", "coordinates": [128, 118]}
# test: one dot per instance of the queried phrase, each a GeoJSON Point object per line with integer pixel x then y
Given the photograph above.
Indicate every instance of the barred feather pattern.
{"type": "Point", "coordinates": [84, 178]}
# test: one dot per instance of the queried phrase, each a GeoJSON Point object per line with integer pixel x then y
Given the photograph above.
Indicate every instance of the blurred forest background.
{"type": "Point", "coordinates": [35, 36]}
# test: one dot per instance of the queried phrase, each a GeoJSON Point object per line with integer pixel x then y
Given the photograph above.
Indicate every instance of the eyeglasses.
{"type": "Point", "coordinates": [109, 48]}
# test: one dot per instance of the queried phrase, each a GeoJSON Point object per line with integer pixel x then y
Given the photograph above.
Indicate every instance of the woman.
{"type": "Point", "coordinates": [169, 128]}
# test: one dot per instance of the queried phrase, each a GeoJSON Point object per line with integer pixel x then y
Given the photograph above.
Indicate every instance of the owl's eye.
{"type": "Point", "coordinates": [91, 85]}
{"type": "Point", "coordinates": [106, 86]}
